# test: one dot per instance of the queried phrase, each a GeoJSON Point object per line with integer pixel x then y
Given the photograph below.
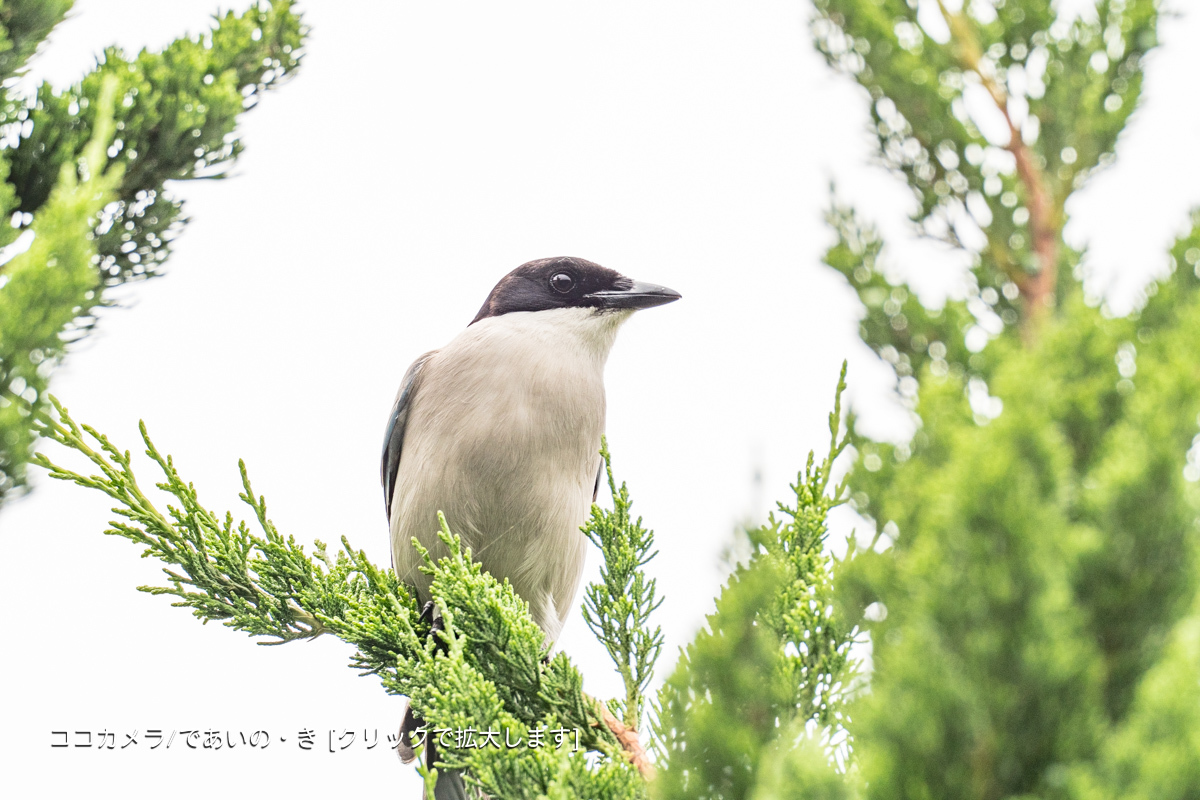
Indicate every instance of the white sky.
{"type": "Point", "coordinates": [424, 150]}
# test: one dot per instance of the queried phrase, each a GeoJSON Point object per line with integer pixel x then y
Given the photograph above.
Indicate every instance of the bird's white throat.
{"type": "Point", "coordinates": [573, 329]}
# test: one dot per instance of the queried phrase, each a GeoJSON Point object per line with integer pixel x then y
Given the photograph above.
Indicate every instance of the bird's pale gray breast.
{"type": "Point", "coordinates": [503, 433]}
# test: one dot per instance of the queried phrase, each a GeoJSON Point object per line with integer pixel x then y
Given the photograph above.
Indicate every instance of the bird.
{"type": "Point", "coordinates": [500, 430]}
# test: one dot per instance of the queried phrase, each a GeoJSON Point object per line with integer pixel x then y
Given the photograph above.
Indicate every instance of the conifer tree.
{"type": "Point", "coordinates": [1031, 585]}
{"type": "Point", "coordinates": [173, 118]}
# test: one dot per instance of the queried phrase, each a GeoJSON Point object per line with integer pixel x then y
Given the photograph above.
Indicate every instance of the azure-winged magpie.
{"type": "Point", "coordinates": [500, 430]}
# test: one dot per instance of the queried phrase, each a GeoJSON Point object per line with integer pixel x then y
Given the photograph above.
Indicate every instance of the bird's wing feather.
{"type": "Point", "coordinates": [393, 438]}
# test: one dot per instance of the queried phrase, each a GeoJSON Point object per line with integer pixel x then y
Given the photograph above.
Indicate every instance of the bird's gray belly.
{"type": "Point", "coordinates": [513, 471]}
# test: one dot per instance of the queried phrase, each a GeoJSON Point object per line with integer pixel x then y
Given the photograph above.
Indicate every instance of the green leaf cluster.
{"type": "Point", "coordinates": [772, 664]}
{"type": "Point", "coordinates": [173, 117]}
{"type": "Point", "coordinates": [1044, 572]}
{"type": "Point", "coordinates": [617, 610]}
{"type": "Point", "coordinates": [44, 289]}
{"type": "Point", "coordinates": [175, 120]}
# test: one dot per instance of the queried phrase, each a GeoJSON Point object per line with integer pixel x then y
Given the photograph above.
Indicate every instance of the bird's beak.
{"type": "Point", "coordinates": [638, 295]}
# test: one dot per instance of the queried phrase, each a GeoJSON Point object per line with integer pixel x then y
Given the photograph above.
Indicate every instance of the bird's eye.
{"type": "Point", "coordinates": [562, 282]}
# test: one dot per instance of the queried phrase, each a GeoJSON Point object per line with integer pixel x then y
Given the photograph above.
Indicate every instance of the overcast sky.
{"type": "Point", "coordinates": [424, 150]}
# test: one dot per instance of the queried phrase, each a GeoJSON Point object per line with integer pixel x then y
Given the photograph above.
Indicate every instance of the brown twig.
{"type": "Point", "coordinates": [1038, 289]}
{"type": "Point", "coordinates": [1044, 220]}
{"type": "Point", "coordinates": [630, 743]}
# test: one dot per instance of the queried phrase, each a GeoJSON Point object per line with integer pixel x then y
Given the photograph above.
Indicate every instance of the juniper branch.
{"type": "Point", "coordinates": [815, 640]}
{"type": "Point", "coordinates": [222, 571]}
{"type": "Point", "coordinates": [268, 586]}
{"type": "Point", "coordinates": [774, 655]}
{"type": "Point", "coordinates": [618, 608]}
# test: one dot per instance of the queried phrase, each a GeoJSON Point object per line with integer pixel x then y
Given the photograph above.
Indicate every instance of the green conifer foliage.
{"type": "Point", "coordinates": [1037, 634]}
{"type": "Point", "coordinates": [24, 25]}
{"type": "Point", "coordinates": [174, 118]}
{"type": "Point", "coordinates": [488, 671]}
{"type": "Point", "coordinates": [773, 660]}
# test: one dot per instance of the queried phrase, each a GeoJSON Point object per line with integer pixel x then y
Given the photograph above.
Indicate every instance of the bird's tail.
{"type": "Point", "coordinates": [407, 746]}
{"type": "Point", "coordinates": [450, 785]}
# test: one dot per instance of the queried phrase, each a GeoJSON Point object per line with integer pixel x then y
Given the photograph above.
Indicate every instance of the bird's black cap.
{"type": "Point", "coordinates": [567, 282]}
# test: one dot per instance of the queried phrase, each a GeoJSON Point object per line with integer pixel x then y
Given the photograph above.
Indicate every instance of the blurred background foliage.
{"type": "Point", "coordinates": [174, 118]}
{"type": "Point", "coordinates": [1031, 587]}
{"type": "Point", "coordinates": [1034, 619]}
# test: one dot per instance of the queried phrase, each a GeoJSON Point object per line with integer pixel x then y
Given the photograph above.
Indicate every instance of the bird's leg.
{"type": "Point", "coordinates": [406, 748]}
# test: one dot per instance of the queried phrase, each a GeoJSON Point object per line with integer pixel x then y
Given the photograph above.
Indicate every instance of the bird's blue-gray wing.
{"type": "Point", "coordinates": [393, 438]}
{"type": "Point", "coordinates": [450, 784]}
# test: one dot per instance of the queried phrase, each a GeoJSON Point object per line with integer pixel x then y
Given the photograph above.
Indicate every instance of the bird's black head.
{"type": "Point", "coordinates": [567, 282]}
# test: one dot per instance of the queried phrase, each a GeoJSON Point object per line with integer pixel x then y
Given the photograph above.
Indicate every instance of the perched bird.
{"type": "Point", "coordinates": [500, 430]}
